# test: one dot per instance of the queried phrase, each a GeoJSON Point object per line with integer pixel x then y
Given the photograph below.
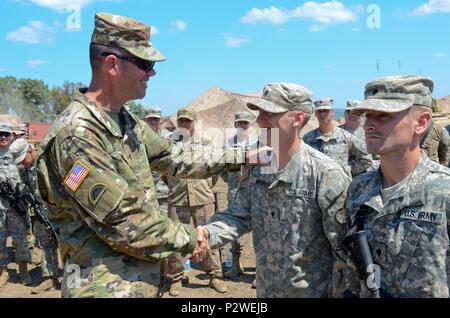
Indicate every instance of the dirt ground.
{"type": "Point", "coordinates": [197, 287]}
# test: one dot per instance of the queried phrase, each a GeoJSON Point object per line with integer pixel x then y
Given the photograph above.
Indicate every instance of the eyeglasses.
{"type": "Point", "coordinates": [4, 134]}
{"type": "Point", "coordinates": [144, 65]}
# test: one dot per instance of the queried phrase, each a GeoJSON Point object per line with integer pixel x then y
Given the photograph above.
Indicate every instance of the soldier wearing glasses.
{"type": "Point", "coordinates": [95, 173]}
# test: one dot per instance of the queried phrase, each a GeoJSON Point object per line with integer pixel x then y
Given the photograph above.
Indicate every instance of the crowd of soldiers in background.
{"type": "Point", "coordinates": [182, 200]}
{"type": "Point", "coordinates": [18, 219]}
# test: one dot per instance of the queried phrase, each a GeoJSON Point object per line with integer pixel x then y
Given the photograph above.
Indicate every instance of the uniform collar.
{"type": "Point", "coordinates": [376, 203]}
{"type": "Point", "coordinates": [100, 114]}
{"type": "Point", "coordinates": [320, 135]}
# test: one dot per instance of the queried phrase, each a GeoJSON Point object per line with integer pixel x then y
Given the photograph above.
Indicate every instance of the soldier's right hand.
{"type": "Point", "coordinates": [202, 245]}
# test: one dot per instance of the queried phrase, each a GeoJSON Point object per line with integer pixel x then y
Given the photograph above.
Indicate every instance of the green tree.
{"type": "Point", "coordinates": [60, 97]}
{"type": "Point", "coordinates": [10, 95]}
{"type": "Point", "coordinates": [136, 108]}
{"type": "Point", "coordinates": [35, 94]}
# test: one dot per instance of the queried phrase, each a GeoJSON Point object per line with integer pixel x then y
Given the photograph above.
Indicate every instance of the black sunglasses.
{"type": "Point", "coordinates": [144, 65]}
{"type": "Point", "coordinates": [4, 134]}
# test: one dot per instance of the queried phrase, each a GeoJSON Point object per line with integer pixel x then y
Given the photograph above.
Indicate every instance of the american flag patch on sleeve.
{"type": "Point", "coordinates": [76, 176]}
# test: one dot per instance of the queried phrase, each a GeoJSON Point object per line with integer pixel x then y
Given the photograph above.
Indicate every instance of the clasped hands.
{"type": "Point", "coordinates": [202, 247]}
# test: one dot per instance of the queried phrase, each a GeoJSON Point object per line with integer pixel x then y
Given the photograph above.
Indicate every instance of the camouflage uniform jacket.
{"type": "Point", "coordinates": [408, 234]}
{"type": "Point", "coordinates": [437, 145]}
{"type": "Point", "coordinates": [358, 132]}
{"type": "Point", "coordinates": [8, 170]}
{"type": "Point", "coordinates": [297, 218]}
{"type": "Point", "coordinates": [109, 226]}
{"type": "Point", "coordinates": [342, 146]}
{"type": "Point", "coordinates": [190, 192]}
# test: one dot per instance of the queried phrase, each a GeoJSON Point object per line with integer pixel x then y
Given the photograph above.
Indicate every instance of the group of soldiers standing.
{"type": "Point", "coordinates": [17, 218]}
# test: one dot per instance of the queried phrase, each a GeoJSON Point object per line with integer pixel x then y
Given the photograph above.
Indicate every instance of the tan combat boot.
{"type": "Point", "coordinates": [24, 276]}
{"type": "Point", "coordinates": [236, 267]}
{"type": "Point", "coordinates": [218, 285]}
{"type": "Point", "coordinates": [4, 276]}
{"type": "Point", "coordinates": [175, 288]}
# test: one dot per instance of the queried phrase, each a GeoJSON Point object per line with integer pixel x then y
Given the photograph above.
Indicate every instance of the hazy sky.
{"type": "Point", "coordinates": [331, 47]}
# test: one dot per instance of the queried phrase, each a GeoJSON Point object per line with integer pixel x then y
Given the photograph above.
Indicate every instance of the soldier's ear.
{"type": "Point", "coordinates": [423, 121]}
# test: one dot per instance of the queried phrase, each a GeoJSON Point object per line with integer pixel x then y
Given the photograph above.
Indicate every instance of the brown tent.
{"type": "Point", "coordinates": [216, 108]}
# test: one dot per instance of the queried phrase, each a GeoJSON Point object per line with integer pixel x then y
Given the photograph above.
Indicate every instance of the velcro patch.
{"type": "Point", "coordinates": [76, 176]}
{"type": "Point", "coordinates": [414, 214]}
{"type": "Point", "coordinates": [301, 193]}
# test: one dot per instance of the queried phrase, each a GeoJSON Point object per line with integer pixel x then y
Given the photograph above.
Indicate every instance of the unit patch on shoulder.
{"type": "Point", "coordinates": [96, 192]}
{"type": "Point", "coordinates": [76, 176]}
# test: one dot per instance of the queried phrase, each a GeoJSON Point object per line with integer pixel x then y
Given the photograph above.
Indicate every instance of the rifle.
{"type": "Point", "coordinates": [21, 197]}
{"type": "Point", "coordinates": [358, 247]}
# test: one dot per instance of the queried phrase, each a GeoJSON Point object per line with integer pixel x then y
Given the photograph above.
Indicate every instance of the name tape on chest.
{"type": "Point", "coordinates": [301, 193]}
{"type": "Point", "coordinates": [76, 176]}
{"type": "Point", "coordinates": [417, 215]}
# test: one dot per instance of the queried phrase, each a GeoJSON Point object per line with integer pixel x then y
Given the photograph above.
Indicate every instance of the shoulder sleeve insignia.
{"type": "Point", "coordinates": [96, 192]}
{"type": "Point", "coordinates": [76, 176]}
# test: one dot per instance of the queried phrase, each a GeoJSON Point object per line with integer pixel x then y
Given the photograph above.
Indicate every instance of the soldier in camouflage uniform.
{"type": "Point", "coordinates": [94, 173]}
{"type": "Point", "coordinates": [192, 198]}
{"type": "Point", "coordinates": [337, 143]}
{"type": "Point", "coordinates": [404, 205]}
{"type": "Point", "coordinates": [24, 156]}
{"type": "Point", "coordinates": [435, 143]}
{"type": "Point", "coordinates": [11, 220]}
{"type": "Point", "coordinates": [296, 214]}
{"type": "Point", "coordinates": [233, 178]}
{"type": "Point", "coordinates": [352, 122]}
{"type": "Point", "coordinates": [153, 119]}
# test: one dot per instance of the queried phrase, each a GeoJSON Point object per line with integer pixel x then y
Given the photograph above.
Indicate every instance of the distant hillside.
{"type": "Point", "coordinates": [443, 105]}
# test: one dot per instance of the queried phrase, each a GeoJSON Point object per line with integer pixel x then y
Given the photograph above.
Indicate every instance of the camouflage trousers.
{"type": "Point", "coordinates": [236, 246]}
{"type": "Point", "coordinates": [18, 230]}
{"type": "Point", "coordinates": [175, 263]}
{"type": "Point", "coordinates": [4, 257]}
{"type": "Point", "coordinates": [49, 256]}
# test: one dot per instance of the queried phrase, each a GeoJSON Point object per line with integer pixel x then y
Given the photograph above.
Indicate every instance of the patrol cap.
{"type": "Point", "coordinates": [19, 129]}
{"type": "Point", "coordinates": [352, 104]}
{"type": "Point", "coordinates": [126, 33]}
{"type": "Point", "coordinates": [6, 127]}
{"type": "Point", "coordinates": [396, 93]}
{"type": "Point", "coordinates": [324, 104]}
{"type": "Point", "coordinates": [282, 97]}
{"type": "Point", "coordinates": [242, 116]}
{"type": "Point", "coordinates": [19, 150]}
{"type": "Point", "coordinates": [153, 112]}
{"type": "Point", "coordinates": [187, 113]}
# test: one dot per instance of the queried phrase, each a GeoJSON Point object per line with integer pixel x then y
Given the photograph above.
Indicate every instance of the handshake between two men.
{"type": "Point", "coordinates": [202, 245]}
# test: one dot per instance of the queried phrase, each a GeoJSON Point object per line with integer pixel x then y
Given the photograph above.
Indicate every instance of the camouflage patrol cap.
{"type": "Point", "coordinates": [242, 116]}
{"type": "Point", "coordinates": [6, 127]}
{"type": "Point", "coordinates": [352, 104]}
{"type": "Point", "coordinates": [282, 97]}
{"type": "Point", "coordinates": [153, 112]}
{"type": "Point", "coordinates": [126, 33]}
{"type": "Point", "coordinates": [324, 104]}
{"type": "Point", "coordinates": [187, 113]}
{"type": "Point", "coordinates": [19, 150]}
{"type": "Point", "coordinates": [396, 93]}
{"type": "Point", "coordinates": [20, 129]}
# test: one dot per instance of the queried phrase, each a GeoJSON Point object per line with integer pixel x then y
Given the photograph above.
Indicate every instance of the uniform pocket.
{"type": "Point", "coordinates": [407, 240]}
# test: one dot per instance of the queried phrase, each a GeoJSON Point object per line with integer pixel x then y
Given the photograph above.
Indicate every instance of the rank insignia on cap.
{"type": "Point", "coordinates": [76, 176]}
